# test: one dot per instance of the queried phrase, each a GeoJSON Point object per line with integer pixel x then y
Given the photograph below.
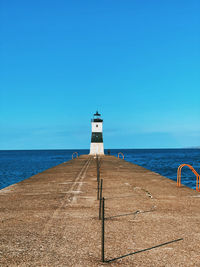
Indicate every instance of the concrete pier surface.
{"type": "Point", "coordinates": [51, 219]}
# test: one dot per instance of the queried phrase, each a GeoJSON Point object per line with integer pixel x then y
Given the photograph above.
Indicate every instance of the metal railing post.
{"type": "Point", "coordinates": [100, 198]}
{"type": "Point", "coordinates": [102, 231]}
{"type": "Point", "coordinates": [97, 168]}
{"type": "Point", "coordinates": [98, 189]}
{"type": "Point", "coordinates": [98, 178]}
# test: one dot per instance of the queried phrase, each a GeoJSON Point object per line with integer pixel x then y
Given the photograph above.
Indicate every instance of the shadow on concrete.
{"type": "Point", "coordinates": [131, 213]}
{"type": "Point", "coordinates": [108, 198]}
{"type": "Point", "coordinates": [143, 250]}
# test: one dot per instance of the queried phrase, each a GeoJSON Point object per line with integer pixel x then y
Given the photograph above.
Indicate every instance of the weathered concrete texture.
{"type": "Point", "coordinates": [51, 219]}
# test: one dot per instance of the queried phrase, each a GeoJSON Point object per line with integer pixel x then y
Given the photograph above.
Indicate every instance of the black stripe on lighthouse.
{"type": "Point", "coordinates": [97, 138]}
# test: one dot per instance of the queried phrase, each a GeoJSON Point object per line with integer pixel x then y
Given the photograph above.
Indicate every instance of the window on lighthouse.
{"type": "Point", "coordinates": [97, 125]}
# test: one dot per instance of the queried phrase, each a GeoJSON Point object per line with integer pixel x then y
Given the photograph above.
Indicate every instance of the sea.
{"type": "Point", "coordinates": [17, 165]}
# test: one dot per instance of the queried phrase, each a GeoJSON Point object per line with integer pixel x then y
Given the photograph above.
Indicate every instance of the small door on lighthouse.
{"type": "Point", "coordinates": [96, 146]}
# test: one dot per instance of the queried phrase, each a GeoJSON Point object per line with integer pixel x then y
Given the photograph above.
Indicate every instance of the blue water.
{"type": "Point", "coordinates": [16, 166]}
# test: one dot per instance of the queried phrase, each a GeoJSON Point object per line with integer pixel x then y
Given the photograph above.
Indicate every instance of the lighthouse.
{"type": "Point", "coordinates": [96, 146]}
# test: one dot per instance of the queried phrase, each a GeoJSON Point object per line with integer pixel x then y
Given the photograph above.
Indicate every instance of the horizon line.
{"type": "Point", "coordinates": [32, 149]}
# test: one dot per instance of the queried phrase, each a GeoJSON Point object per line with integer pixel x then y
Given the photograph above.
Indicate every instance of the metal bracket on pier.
{"type": "Point", "coordinates": [193, 170]}
{"type": "Point", "coordinates": [75, 153]}
{"type": "Point", "coordinates": [120, 153]}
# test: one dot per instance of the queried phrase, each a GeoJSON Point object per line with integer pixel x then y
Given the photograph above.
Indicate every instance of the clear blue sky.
{"type": "Point", "coordinates": [137, 62]}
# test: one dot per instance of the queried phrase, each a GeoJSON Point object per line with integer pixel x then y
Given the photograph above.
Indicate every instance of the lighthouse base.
{"type": "Point", "coordinates": [96, 149]}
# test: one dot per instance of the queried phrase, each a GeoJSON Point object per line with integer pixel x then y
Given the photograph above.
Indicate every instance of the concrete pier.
{"type": "Point", "coordinates": [51, 219]}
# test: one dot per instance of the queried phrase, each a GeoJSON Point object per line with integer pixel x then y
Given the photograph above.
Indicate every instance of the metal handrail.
{"type": "Point", "coordinates": [193, 170]}
{"type": "Point", "coordinates": [75, 153]}
{"type": "Point", "coordinates": [120, 153]}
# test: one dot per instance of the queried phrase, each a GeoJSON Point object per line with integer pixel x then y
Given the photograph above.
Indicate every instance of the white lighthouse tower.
{"type": "Point", "coordinates": [96, 146]}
